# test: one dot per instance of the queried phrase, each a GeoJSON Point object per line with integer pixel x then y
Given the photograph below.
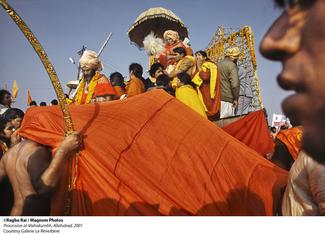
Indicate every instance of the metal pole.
{"type": "Point", "coordinates": [104, 45]}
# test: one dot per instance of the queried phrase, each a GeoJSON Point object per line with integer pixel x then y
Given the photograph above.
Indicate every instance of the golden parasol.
{"type": "Point", "coordinates": [156, 20]}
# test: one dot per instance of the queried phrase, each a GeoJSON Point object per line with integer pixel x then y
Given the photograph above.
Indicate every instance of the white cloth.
{"type": "Point", "coordinates": [226, 110]}
{"type": "Point", "coordinates": [3, 109]}
{"type": "Point", "coordinates": [305, 192]}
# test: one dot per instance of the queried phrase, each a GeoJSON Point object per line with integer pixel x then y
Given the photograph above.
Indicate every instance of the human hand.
{"type": "Point", "coordinates": [72, 142]}
{"type": "Point", "coordinates": [235, 104]}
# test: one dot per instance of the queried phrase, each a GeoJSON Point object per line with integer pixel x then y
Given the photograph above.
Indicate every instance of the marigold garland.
{"type": "Point", "coordinates": [216, 49]}
{"type": "Point", "coordinates": [91, 89]}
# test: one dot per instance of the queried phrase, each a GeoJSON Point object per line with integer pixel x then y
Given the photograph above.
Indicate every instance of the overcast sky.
{"type": "Point", "coordinates": [64, 26]}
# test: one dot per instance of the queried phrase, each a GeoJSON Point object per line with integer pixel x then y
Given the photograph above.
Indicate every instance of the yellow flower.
{"type": "Point", "coordinates": [91, 89]}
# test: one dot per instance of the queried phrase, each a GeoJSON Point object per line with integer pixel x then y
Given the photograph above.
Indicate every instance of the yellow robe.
{"type": "Point", "coordinates": [188, 95]}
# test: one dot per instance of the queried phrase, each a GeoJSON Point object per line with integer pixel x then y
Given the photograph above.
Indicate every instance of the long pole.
{"type": "Point", "coordinates": [104, 44]}
{"type": "Point", "coordinates": [45, 60]}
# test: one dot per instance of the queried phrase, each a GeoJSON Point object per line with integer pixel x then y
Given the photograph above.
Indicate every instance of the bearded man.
{"type": "Point", "coordinates": [94, 86]}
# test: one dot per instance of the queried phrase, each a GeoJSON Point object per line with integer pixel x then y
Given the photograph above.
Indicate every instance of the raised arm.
{"type": "Point", "coordinates": [45, 171]}
{"type": "Point", "coordinates": [68, 147]}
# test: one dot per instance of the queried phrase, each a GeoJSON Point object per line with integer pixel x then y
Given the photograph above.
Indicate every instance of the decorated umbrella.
{"type": "Point", "coordinates": [156, 20]}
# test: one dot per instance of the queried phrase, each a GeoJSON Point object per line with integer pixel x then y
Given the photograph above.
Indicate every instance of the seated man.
{"type": "Point", "coordinates": [94, 86]}
{"type": "Point", "coordinates": [34, 174]}
{"type": "Point", "coordinates": [172, 41]}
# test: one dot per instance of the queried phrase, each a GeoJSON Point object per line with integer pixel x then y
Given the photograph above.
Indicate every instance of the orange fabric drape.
{"type": "Point", "coordinates": [292, 138]}
{"type": "Point", "coordinates": [253, 131]}
{"type": "Point", "coordinates": [152, 155]}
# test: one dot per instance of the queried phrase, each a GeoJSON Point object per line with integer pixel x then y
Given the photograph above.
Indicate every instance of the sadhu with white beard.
{"type": "Point", "coordinates": [94, 86]}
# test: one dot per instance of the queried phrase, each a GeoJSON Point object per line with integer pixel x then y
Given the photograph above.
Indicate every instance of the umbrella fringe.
{"type": "Point", "coordinates": [153, 17]}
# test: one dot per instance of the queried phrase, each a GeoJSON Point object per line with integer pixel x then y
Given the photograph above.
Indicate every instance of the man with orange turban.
{"type": "Point", "coordinates": [94, 86]}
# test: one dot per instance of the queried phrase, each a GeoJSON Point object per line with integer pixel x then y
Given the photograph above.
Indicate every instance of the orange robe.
{"type": "Point", "coordinates": [292, 139]}
{"type": "Point", "coordinates": [119, 92]}
{"type": "Point", "coordinates": [169, 51]}
{"type": "Point", "coordinates": [103, 88]}
{"type": "Point", "coordinates": [134, 87]}
{"type": "Point", "coordinates": [151, 155]}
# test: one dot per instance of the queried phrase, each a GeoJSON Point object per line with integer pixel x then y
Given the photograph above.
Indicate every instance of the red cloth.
{"type": "Point", "coordinates": [103, 88]}
{"type": "Point", "coordinates": [152, 155]}
{"type": "Point", "coordinates": [253, 131]}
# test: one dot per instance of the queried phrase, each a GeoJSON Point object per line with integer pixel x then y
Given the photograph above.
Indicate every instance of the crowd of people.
{"type": "Point", "coordinates": [192, 79]}
{"type": "Point", "coordinates": [210, 89]}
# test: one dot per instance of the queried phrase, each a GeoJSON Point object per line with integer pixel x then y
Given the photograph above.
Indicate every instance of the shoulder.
{"type": "Point", "coordinates": [227, 64]}
{"type": "Point", "coordinates": [188, 60]}
{"type": "Point", "coordinates": [102, 79]}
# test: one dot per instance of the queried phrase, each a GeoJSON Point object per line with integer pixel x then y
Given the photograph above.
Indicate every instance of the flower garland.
{"type": "Point", "coordinates": [250, 42]}
{"type": "Point", "coordinates": [91, 89]}
{"type": "Point", "coordinates": [242, 35]}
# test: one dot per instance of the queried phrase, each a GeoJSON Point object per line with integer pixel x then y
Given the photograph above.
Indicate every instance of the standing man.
{"type": "Point", "coordinates": [297, 40]}
{"type": "Point", "coordinates": [34, 175]}
{"type": "Point", "coordinates": [94, 86]}
{"type": "Point", "coordinates": [229, 82]}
